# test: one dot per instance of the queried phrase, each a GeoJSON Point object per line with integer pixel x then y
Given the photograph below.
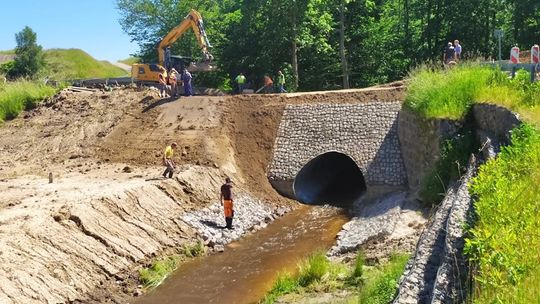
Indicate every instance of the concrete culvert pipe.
{"type": "Point", "coordinates": [330, 178]}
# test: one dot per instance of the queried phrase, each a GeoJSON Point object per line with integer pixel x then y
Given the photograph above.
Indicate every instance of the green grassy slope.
{"type": "Point", "coordinates": [130, 60]}
{"type": "Point", "coordinates": [74, 63]}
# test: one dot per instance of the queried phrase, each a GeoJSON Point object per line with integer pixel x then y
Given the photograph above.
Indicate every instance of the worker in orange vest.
{"type": "Point", "coordinates": [268, 84]}
{"type": "Point", "coordinates": [226, 198]}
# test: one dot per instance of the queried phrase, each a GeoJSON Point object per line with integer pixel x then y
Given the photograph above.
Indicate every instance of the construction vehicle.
{"type": "Point", "coordinates": [142, 72]}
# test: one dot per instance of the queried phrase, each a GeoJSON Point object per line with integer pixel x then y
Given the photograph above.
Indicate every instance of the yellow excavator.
{"type": "Point", "coordinates": [142, 72]}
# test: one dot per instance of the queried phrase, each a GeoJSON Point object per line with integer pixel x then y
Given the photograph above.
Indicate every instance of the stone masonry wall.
{"type": "Point", "coordinates": [420, 143]}
{"type": "Point", "coordinates": [365, 132]}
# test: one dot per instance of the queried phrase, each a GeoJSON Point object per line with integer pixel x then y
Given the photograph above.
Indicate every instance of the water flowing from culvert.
{"type": "Point", "coordinates": [247, 268]}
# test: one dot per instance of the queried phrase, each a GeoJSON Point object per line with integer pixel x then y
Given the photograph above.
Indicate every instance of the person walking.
{"type": "Point", "coordinates": [281, 82]}
{"type": "Point", "coordinates": [241, 81]}
{"type": "Point", "coordinates": [187, 79]}
{"type": "Point", "coordinates": [457, 49]}
{"type": "Point", "coordinates": [168, 160]}
{"type": "Point", "coordinates": [226, 198]}
{"type": "Point", "coordinates": [449, 54]}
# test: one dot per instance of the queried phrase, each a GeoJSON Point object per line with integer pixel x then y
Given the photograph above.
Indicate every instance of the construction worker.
{"type": "Point", "coordinates": [163, 83]}
{"type": "Point", "coordinates": [241, 81]}
{"type": "Point", "coordinates": [173, 76]}
{"type": "Point", "coordinates": [168, 160]}
{"type": "Point", "coordinates": [226, 198]}
{"type": "Point", "coordinates": [281, 82]}
{"type": "Point", "coordinates": [268, 84]}
{"type": "Point", "coordinates": [186, 79]}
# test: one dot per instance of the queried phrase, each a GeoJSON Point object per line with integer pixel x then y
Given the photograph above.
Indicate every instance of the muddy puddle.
{"type": "Point", "coordinates": [247, 268]}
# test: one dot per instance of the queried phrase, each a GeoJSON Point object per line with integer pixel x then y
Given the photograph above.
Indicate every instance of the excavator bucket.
{"type": "Point", "coordinates": [202, 67]}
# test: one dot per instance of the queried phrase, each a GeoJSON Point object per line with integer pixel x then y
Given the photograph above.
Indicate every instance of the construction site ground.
{"type": "Point", "coordinates": [108, 209]}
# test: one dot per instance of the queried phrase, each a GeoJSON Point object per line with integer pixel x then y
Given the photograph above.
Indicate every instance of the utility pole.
{"type": "Point", "coordinates": [499, 35]}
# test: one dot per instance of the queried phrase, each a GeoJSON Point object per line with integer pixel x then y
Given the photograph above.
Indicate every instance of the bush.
{"type": "Point", "coordinates": [7, 67]}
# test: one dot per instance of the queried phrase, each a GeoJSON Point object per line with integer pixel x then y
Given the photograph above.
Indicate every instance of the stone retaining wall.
{"type": "Point", "coordinates": [365, 132]}
{"type": "Point", "coordinates": [420, 143]}
{"type": "Point", "coordinates": [432, 275]}
{"type": "Point", "coordinates": [493, 127]}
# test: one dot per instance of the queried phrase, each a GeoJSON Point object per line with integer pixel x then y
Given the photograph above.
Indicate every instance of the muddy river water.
{"type": "Point", "coordinates": [247, 268]}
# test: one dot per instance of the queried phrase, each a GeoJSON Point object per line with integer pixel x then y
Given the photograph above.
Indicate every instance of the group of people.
{"type": "Point", "coordinates": [168, 83]}
{"type": "Point", "coordinates": [226, 194]}
{"type": "Point", "coordinates": [268, 83]}
{"type": "Point", "coordinates": [452, 53]}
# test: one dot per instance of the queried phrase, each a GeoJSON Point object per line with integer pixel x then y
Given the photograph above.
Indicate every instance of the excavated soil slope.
{"type": "Point", "coordinates": [107, 209]}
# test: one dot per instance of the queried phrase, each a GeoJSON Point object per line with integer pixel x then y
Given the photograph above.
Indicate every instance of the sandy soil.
{"type": "Point", "coordinates": [107, 208]}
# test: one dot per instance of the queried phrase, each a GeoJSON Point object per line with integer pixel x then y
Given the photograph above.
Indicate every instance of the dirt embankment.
{"type": "Point", "coordinates": [107, 208]}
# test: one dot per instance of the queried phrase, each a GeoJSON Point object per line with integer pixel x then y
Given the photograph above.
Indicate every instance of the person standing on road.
{"type": "Point", "coordinates": [168, 160]}
{"type": "Point", "coordinates": [281, 82]}
{"type": "Point", "coordinates": [241, 81]}
{"type": "Point", "coordinates": [226, 198]}
{"type": "Point", "coordinates": [187, 79]}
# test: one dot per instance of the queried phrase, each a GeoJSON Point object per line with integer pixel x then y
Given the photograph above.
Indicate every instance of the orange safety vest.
{"type": "Point", "coordinates": [228, 208]}
{"type": "Point", "coordinates": [268, 81]}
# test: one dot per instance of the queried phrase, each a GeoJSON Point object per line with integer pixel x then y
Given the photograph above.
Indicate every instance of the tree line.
{"type": "Point", "coordinates": [330, 44]}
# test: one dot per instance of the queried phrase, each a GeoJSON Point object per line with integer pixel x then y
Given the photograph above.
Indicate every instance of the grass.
{"type": "Point", "coordinates": [193, 250]}
{"type": "Point", "coordinates": [7, 52]}
{"type": "Point", "coordinates": [313, 269]}
{"type": "Point", "coordinates": [382, 282]}
{"type": "Point", "coordinates": [434, 93]}
{"type": "Point", "coordinates": [154, 275]}
{"type": "Point", "coordinates": [318, 274]}
{"type": "Point", "coordinates": [21, 95]}
{"type": "Point", "coordinates": [445, 94]}
{"type": "Point", "coordinates": [130, 60]}
{"type": "Point", "coordinates": [74, 64]}
{"type": "Point", "coordinates": [505, 242]}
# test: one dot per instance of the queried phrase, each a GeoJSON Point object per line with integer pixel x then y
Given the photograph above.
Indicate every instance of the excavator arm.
{"type": "Point", "coordinates": [194, 21]}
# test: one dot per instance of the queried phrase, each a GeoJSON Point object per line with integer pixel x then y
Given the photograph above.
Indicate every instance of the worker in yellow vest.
{"type": "Point", "coordinates": [241, 81]}
{"type": "Point", "coordinates": [168, 161]}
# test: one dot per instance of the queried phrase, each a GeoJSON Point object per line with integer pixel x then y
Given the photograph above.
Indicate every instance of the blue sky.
{"type": "Point", "coordinates": [90, 25]}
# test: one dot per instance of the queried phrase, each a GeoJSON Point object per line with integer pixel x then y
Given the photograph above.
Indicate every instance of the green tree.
{"type": "Point", "coordinates": [29, 60]}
